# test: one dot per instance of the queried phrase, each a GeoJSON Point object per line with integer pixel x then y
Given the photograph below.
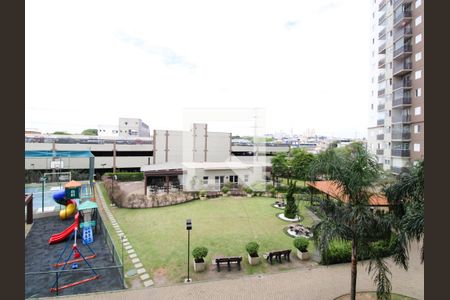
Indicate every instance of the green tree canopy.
{"type": "Point", "coordinates": [61, 133]}
{"type": "Point", "coordinates": [90, 131]}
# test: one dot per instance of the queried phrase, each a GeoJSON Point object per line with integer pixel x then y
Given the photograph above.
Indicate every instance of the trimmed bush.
{"type": "Point", "coordinates": [127, 176]}
{"type": "Point", "coordinates": [291, 209]}
{"type": "Point", "coordinates": [252, 249]}
{"type": "Point", "coordinates": [225, 190]}
{"type": "Point", "coordinates": [301, 244]}
{"type": "Point", "coordinates": [248, 190]}
{"type": "Point", "coordinates": [199, 253]}
{"type": "Point", "coordinates": [202, 193]}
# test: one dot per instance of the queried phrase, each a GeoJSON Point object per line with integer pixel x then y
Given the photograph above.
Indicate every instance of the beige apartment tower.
{"type": "Point", "coordinates": [396, 112]}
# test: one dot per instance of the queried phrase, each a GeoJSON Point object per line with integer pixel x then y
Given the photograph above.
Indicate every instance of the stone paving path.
{"type": "Point", "coordinates": [144, 276]}
{"type": "Point", "coordinates": [319, 283]}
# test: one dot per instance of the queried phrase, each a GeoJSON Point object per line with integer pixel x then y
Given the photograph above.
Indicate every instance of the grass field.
{"type": "Point", "coordinates": [223, 225]}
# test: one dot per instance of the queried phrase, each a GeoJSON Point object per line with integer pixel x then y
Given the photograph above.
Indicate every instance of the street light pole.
{"type": "Point", "coordinates": [43, 178]}
{"type": "Point", "coordinates": [188, 228]}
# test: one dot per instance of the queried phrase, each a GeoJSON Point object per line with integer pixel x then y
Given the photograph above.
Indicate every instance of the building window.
{"type": "Point", "coordinates": [205, 180]}
{"type": "Point", "coordinates": [390, 33]}
{"type": "Point", "coordinates": [416, 128]}
{"type": "Point", "coordinates": [418, 74]}
{"type": "Point", "coordinates": [234, 178]}
{"type": "Point", "coordinates": [418, 3]}
{"type": "Point", "coordinates": [390, 81]}
{"type": "Point", "coordinates": [416, 147]}
{"type": "Point", "coordinates": [418, 20]}
{"type": "Point", "coordinates": [418, 92]}
{"type": "Point", "coordinates": [418, 56]}
{"type": "Point", "coordinates": [390, 113]}
{"type": "Point", "coordinates": [371, 106]}
{"type": "Point", "coordinates": [386, 161]}
{"type": "Point", "coordinates": [246, 178]}
{"type": "Point", "coordinates": [418, 38]}
{"type": "Point", "coordinates": [418, 111]}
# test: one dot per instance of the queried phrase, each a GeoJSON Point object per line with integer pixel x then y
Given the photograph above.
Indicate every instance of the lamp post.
{"type": "Point", "coordinates": [113, 177]}
{"type": "Point", "coordinates": [188, 228]}
{"type": "Point", "coordinates": [43, 179]}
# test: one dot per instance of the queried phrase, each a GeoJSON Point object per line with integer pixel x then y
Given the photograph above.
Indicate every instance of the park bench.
{"type": "Point", "coordinates": [278, 255]}
{"type": "Point", "coordinates": [228, 260]}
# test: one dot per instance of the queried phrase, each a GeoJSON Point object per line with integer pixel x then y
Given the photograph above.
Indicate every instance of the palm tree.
{"type": "Point", "coordinates": [406, 196]}
{"type": "Point", "coordinates": [355, 173]}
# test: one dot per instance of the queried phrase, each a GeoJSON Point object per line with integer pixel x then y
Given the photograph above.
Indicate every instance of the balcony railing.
{"type": "Point", "coordinates": [398, 2]}
{"type": "Point", "coordinates": [405, 83]}
{"type": "Point", "coordinates": [380, 151]}
{"type": "Point", "coordinates": [382, 48]}
{"type": "Point", "coordinates": [402, 15]}
{"type": "Point", "coordinates": [382, 19]}
{"type": "Point", "coordinates": [405, 49]}
{"type": "Point", "coordinates": [397, 170]}
{"type": "Point", "coordinates": [401, 135]}
{"type": "Point", "coordinates": [382, 4]}
{"type": "Point", "coordinates": [382, 34]}
{"type": "Point", "coordinates": [381, 107]}
{"type": "Point", "coordinates": [381, 62]}
{"type": "Point", "coordinates": [401, 119]}
{"type": "Point", "coordinates": [381, 92]}
{"type": "Point", "coordinates": [400, 69]}
{"type": "Point", "coordinates": [380, 137]}
{"type": "Point", "coordinates": [380, 122]}
{"type": "Point", "coordinates": [403, 32]}
{"type": "Point", "coordinates": [401, 101]}
{"type": "Point", "coordinates": [381, 77]}
{"type": "Point", "coordinates": [400, 152]}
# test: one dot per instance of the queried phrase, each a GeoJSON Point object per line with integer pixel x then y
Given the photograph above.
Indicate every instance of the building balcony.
{"type": "Point", "coordinates": [381, 77]}
{"type": "Point", "coordinates": [382, 5]}
{"type": "Point", "coordinates": [405, 83]}
{"type": "Point", "coordinates": [380, 137]}
{"type": "Point", "coordinates": [400, 152]}
{"type": "Point", "coordinates": [381, 63]}
{"type": "Point", "coordinates": [382, 48]}
{"type": "Point", "coordinates": [380, 151]}
{"type": "Point", "coordinates": [403, 51]}
{"type": "Point", "coordinates": [380, 107]}
{"type": "Point", "coordinates": [382, 19]}
{"type": "Point", "coordinates": [402, 69]}
{"type": "Point", "coordinates": [382, 34]}
{"type": "Point", "coordinates": [397, 170]}
{"type": "Point", "coordinates": [403, 33]}
{"type": "Point", "coordinates": [404, 100]}
{"type": "Point", "coordinates": [380, 122]}
{"type": "Point", "coordinates": [401, 135]}
{"type": "Point", "coordinates": [381, 92]}
{"type": "Point", "coordinates": [401, 119]}
{"type": "Point", "coordinates": [403, 16]}
{"type": "Point", "coordinates": [396, 3]}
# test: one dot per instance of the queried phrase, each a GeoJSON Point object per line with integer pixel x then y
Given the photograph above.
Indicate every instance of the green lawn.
{"type": "Point", "coordinates": [223, 225]}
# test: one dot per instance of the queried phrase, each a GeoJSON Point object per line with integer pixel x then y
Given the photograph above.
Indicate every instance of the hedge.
{"type": "Point", "coordinates": [341, 252]}
{"type": "Point", "coordinates": [127, 176]}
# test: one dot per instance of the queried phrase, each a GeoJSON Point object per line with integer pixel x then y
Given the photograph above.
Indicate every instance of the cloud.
{"type": "Point", "coordinates": [291, 24]}
{"type": "Point", "coordinates": [168, 56]}
{"type": "Point", "coordinates": [328, 6]}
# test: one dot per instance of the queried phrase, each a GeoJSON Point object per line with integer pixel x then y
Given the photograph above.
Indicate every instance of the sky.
{"type": "Point", "coordinates": [303, 65]}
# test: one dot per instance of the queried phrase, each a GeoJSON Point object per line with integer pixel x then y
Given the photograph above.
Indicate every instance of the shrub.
{"type": "Point", "coordinates": [199, 253]}
{"type": "Point", "coordinates": [272, 191]}
{"type": "Point", "coordinates": [202, 193]}
{"type": "Point", "coordinates": [301, 244]}
{"type": "Point", "coordinates": [127, 176]}
{"type": "Point", "coordinates": [225, 190]}
{"type": "Point", "coordinates": [248, 190]}
{"type": "Point", "coordinates": [252, 249]}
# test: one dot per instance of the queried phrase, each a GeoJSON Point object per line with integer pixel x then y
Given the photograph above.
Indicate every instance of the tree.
{"type": "Point", "coordinates": [406, 196]}
{"type": "Point", "coordinates": [61, 133]}
{"type": "Point", "coordinates": [90, 131]}
{"type": "Point", "coordinates": [301, 162]}
{"type": "Point", "coordinates": [291, 209]}
{"type": "Point", "coordinates": [355, 172]}
{"type": "Point", "coordinates": [279, 166]}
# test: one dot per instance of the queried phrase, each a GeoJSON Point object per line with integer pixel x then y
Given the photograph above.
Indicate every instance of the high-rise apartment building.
{"type": "Point", "coordinates": [396, 106]}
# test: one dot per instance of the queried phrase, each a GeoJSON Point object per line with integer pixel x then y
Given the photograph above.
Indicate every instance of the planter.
{"type": "Point", "coordinates": [253, 260]}
{"type": "Point", "coordinates": [249, 195]}
{"type": "Point", "coordinates": [199, 266]}
{"type": "Point", "coordinates": [302, 255]}
{"type": "Point", "coordinates": [203, 197]}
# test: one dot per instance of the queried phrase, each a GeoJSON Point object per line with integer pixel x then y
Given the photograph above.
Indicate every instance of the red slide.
{"type": "Point", "coordinates": [59, 237]}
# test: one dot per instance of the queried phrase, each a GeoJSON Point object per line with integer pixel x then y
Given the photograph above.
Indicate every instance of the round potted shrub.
{"type": "Point", "coordinates": [301, 243]}
{"type": "Point", "coordinates": [252, 250]}
{"type": "Point", "coordinates": [273, 192]}
{"type": "Point", "coordinates": [199, 254]}
{"type": "Point", "coordinates": [203, 194]}
{"type": "Point", "coordinates": [225, 190]}
{"type": "Point", "coordinates": [249, 191]}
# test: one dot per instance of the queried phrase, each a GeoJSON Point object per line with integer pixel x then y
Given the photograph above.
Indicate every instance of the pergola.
{"type": "Point", "coordinates": [161, 173]}
{"type": "Point", "coordinates": [332, 189]}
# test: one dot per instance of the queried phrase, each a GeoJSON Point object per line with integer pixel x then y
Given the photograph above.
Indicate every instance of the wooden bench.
{"type": "Point", "coordinates": [228, 260]}
{"type": "Point", "coordinates": [278, 255]}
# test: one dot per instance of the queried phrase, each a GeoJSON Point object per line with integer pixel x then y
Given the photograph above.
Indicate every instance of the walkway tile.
{"type": "Point", "coordinates": [145, 276]}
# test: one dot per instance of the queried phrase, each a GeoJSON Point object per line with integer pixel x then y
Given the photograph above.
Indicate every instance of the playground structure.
{"type": "Point", "coordinates": [86, 214]}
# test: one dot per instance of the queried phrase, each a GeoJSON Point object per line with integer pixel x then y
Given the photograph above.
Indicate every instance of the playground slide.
{"type": "Point", "coordinates": [69, 210]}
{"type": "Point", "coordinates": [59, 237]}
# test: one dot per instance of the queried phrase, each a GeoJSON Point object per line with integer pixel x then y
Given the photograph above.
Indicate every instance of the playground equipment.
{"type": "Point", "coordinates": [88, 211]}
{"type": "Point", "coordinates": [72, 259]}
{"type": "Point", "coordinates": [59, 237]}
{"type": "Point", "coordinates": [66, 197]}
